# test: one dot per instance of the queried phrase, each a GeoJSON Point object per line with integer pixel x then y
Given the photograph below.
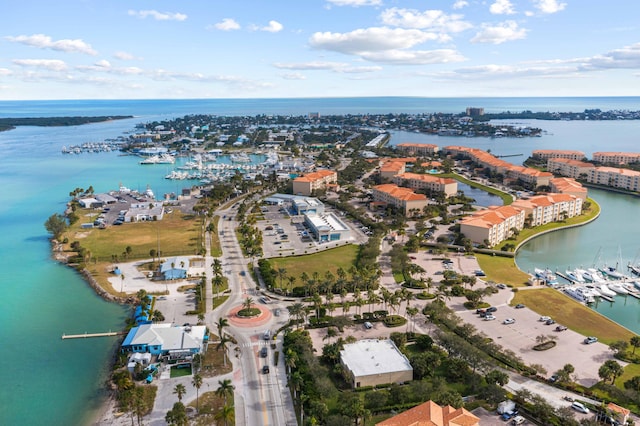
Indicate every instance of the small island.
{"type": "Point", "coordinates": [12, 123]}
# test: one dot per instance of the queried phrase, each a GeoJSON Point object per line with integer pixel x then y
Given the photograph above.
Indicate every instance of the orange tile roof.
{"type": "Point", "coordinates": [491, 216]}
{"type": "Point", "coordinates": [426, 178]}
{"type": "Point", "coordinates": [431, 414]}
{"type": "Point", "coordinates": [417, 145]}
{"type": "Point", "coordinates": [624, 172]}
{"type": "Point", "coordinates": [399, 192]}
{"type": "Point", "coordinates": [557, 151]}
{"type": "Point", "coordinates": [576, 163]}
{"type": "Point", "coordinates": [392, 166]}
{"type": "Point", "coordinates": [314, 176]}
{"type": "Point", "coordinates": [564, 184]}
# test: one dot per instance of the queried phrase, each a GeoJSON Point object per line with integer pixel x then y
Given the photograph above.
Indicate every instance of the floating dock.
{"type": "Point", "coordinates": [87, 335]}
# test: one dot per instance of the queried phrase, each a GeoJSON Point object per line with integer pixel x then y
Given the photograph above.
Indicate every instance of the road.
{"type": "Point", "coordinates": [259, 398]}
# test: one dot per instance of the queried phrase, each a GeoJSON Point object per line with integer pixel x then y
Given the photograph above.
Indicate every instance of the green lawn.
{"type": "Point", "coordinates": [566, 311]}
{"type": "Point", "coordinates": [321, 262]}
{"type": "Point", "coordinates": [502, 270]}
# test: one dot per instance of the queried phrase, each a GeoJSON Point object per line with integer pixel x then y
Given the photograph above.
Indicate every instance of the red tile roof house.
{"type": "Point", "coordinates": [431, 414]}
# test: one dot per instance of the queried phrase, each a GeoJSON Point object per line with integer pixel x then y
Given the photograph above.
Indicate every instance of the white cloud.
{"type": "Point", "coordinates": [340, 67]}
{"type": "Point", "coordinates": [294, 76]}
{"type": "Point", "coordinates": [435, 20]}
{"type": "Point", "coordinates": [417, 57]}
{"type": "Point", "coordinates": [227, 24]}
{"type": "Point", "coordinates": [459, 4]}
{"type": "Point", "coordinates": [45, 42]}
{"type": "Point", "coordinates": [370, 40]}
{"type": "Point", "coordinates": [355, 3]}
{"type": "Point", "coordinates": [549, 6]}
{"type": "Point", "coordinates": [5, 72]}
{"type": "Point", "coordinates": [158, 16]}
{"type": "Point", "coordinates": [125, 56]}
{"type": "Point", "coordinates": [501, 33]}
{"type": "Point", "coordinates": [273, 27]}
{"type": "Point", "coordinates": [47, 64]}
{"type": "Point", "coordinates": [502, 7]}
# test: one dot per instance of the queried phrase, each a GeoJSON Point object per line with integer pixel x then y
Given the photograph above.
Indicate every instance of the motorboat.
{"type": "Point", "coordinates": [573, 276]}
{"type": "Point", "coordinates": [618, 288]}
{"type": "Point", "coordinates": [584, 274]}
{"type": "Point", "coordinates": [606, 291]}
{"type": "Point", "coordinates": [546, 275]}
{"type": "Point", "coordinates": [579, 293]}
{"type": "Point", "coordinates": [593, 275]}
{"type": "Point", "coordinates": [595, 291]}
{"type": "Point", "coordinates": [612, 272]}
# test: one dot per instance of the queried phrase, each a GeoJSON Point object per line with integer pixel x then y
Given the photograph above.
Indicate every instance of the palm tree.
{"type": "Point", "coordinates": [290, 359]}
{"type": "Point", "coordinates": [411, 312]}
{"type": "Point", "coordinates": [225, 389]}
{"type": "Point", "coordinates": [292, 281]}
{"type": "Point", "coordinates": [248, 302]}
{"type": "Point", "coordinates": [331, 332]}
{"type": "Point", "coordinates": [282, 274]}
{"type": "Point", "coordinates": [197, 383]}
{"type": "Point", "coordinates": [226, 415]}
{"type": "Point", "coordinates": [180, 390]}
{"type": "Point", "coordinates": [223, 345]}
{"type": "Point", "coordinates": [217, 282]}
{"type": "Point", "coordinates": [221, 324]}
{"type": "Point", "coordinates": [635, 343]}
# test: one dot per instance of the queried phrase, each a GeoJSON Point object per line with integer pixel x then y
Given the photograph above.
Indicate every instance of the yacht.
{"type": "Point", "coordinates": [584, 274]}
{"type": "Point", "coordinates": [579, 293]}
{"type": "Point", "coordinates": [612, 272]}
{"type": "Point", "coordinates": [618, 288]}
{"type": "Point", "coordinates": [150, 160]}
{"type": "Point", "coordinates": [606, 291]}
{"type": "Point", "coordinates": [593, 275]}
{"type": "Point", "coordinates": [573, 276]}
{"type": "Point", "coordinates": [546, 275]}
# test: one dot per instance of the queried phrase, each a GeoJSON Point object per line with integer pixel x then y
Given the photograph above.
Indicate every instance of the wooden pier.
{"type": "Point", "coordinates": [607, 298]}
{"type": "Point", "coordinates": [87, 335]}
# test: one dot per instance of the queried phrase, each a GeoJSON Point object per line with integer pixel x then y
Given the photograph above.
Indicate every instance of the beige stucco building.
{"type": "Point", "coordinates": [545, 154]}
{"type": "Point", "coordinates": [494, 224]}
{"type": "Point", "coordinates": [372, 362]}
{"type": "Point", "coordinates": [305, 185]}
{"type": "Point", "coordinates": [550, 208]}
{"type": "Point", "coordinates": [616, 157]}
{"type": "Point", "coordinates": [421, 149]}
{"type": "Point", "coordinates": [404, 199]}
{"type": "Point", "coordinates": [433, 183]}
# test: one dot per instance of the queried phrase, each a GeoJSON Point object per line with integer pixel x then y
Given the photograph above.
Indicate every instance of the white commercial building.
{"type": "Point", "coordinates": [374, 362]}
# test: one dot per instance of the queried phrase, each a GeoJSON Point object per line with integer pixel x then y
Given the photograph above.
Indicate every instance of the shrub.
{"type": "Point", "coordinates": [394, 321]}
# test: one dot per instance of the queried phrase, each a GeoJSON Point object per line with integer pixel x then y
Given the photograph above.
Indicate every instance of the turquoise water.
{"type": "Point", "coordinates": [47, 381]}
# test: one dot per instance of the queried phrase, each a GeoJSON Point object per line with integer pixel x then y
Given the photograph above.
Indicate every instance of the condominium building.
{"type": "Point", "coordinates": [404, 199]}
{"type": "Point", "coordinates": [616, 178]}
{"type": "Point", "coordinates": [432, 183]}
{"type": "Point", "coordinates": [570, 168]}
{"type": "Point", "coordinates": [389, 169]}
{"type": "Point", "coordinates": [420, 149]}
{"type": "Point", "coordinates": [550, 208]}
{"type": "Point", "coordinates": [305, 185]}
{"type": "Point", "coordinates": [564, 185]}
{"type": "Point", "coordinates": [617, 158]}
{"type": "Point", "coordinates": [545, 154]}
{"type": "Point", "coordinates": [493, 225]}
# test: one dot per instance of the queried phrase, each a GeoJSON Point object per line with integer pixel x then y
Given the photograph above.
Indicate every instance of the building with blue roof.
{"type": "Point", "coordinates": [165, 339]}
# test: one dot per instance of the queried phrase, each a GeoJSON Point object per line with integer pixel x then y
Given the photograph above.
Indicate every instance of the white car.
{"type": "Point", "coordinates": [509, 321]}
{"type": "Point", "coordinates": [489, 318]}
{"type": "Point", "coordinates": [544, 319]}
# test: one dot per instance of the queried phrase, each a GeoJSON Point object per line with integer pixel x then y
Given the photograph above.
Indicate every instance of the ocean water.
{"type": "Point", "coordinates": [48, 381]}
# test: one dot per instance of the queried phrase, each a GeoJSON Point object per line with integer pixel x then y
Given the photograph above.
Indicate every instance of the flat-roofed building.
{"type": "Point", "coordinates": [372, 362]}
{"type": "Point", "coordinates": [550, 207]}
{"type": "Point", "coordinates": [616, 158]}
{"type": "Point", "coordinates": [420, 149]}
{"type": "Point", "coordinates": [494, 224]}
{"type": "Point", "coordinates": [545, 154]}
{"type": "Point", "coordinates": [616, 178]}
{"type": "Point", "coordinates": [403, 199]}
{"type": "Point", "coordinates": [431, 414]}
{"type": "Point", "coordinates": [432, 183]}
{"type": "Point", "coordinates": [564, 185]}
{"type": "Point", "coordinates": [327, 227]}
{"type": "Point", "coordinates": [305, 185]}
{"type": "Point", "coordinates": [570, 168]}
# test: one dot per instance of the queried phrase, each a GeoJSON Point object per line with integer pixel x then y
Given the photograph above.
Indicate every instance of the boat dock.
{"type": "Point", "coordinates": [607, 298]}
{"type": "Point", "coordinates": [561, 275]}
{"type": "Point", "coordinates": [87, 335]}
{"type": "Point", "coordinates": [635, 270]}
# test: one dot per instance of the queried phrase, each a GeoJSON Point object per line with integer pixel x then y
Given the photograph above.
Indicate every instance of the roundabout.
{"type": "Point", "coordinates": [262, 316]}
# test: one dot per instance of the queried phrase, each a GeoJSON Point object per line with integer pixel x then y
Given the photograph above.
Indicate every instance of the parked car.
{"type": "Point", "coordinates": [263, 352]}
{"type": "Point", "coordinates": [492, 309]}
{"type": "Point", "coordinates": [501, 286]}
{"type": "Point", "coordinates": [561, 328]}
{"type": "Point", "coordinates": [518, 420]}
{"type": "Point", "coordinates": [508, 321]}
{"type": "Point", "coordinates": [368, 325]}
{"type": "Point", "coordinates": [550, 321]}
{"type": "Point", "coordinates": [544, 319]}
{"type": "Point", "coordinates": [480, 311]}
{"type": "Point", "coordinates": [591, 339]}
{"type": "Point", "coordinates": [489, 317]}
{"type": "Point", "coordinates": [519, 306]}
{"type": "Point", "coordinates": [265, 369]}
{"type": "Point", "coordinates": [578, 406]}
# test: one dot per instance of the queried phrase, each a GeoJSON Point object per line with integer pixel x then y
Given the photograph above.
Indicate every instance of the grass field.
{"type": "Point", "coordinates": [579, 318]}
{"type": "Point", "coordinates": [328, 260]}
{"type": "Point", "coordinates": [502, 270]}
{"type": "Point", "coordinates": [176, 234]}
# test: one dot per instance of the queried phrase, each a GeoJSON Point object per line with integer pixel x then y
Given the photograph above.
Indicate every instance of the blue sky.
{"type": "Point", "coordinates": [144, 49]}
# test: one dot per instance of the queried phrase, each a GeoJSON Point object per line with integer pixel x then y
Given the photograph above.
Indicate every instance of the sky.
{"type": "Point", "coordinates": [161, 49]}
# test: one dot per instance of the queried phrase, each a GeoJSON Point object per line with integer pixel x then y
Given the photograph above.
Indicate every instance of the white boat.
{"type": "Point", "coordinates": [612, 272]}
{"type": "Point", "coordinates": [594, 275]}
{"type": "Point", "coordinates": [151, 160]}
{"type": "Point", "coordinates": [636, 284]}
{"type": "Point", "coordinates": [584, 274]}
{"type": "Point", "coordinates": [546, 275]}
{"type": "Point", "coordinates": [573, 276]}
{"type": "Point", "coordinates": [618, 288]}
{"type": "Point", "coordinates": [595, 291]}
{"type": "Point", "coordinates": [606, 291]}
{"type": "Point", "coordinates": [579, 293]}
